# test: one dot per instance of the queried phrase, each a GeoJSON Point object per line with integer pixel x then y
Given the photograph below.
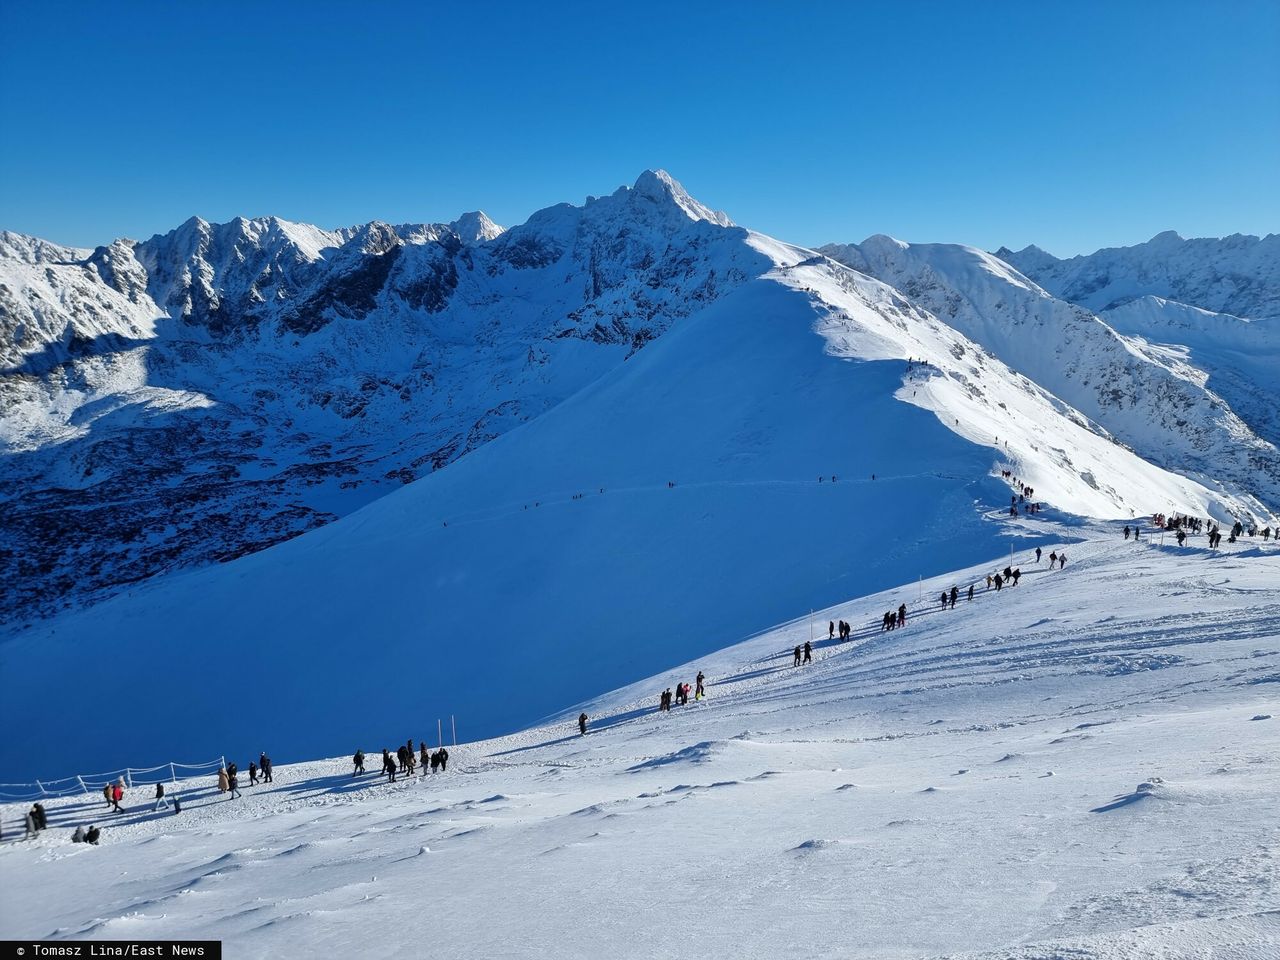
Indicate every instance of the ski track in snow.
{"type": "Point", "coordinates": [1083, 766]}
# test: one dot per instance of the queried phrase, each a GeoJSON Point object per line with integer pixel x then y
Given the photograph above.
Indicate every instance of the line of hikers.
{"type": "Point", "coordinates": [406, 760]}
{"type": "Point", "coordinates": [843, 627]}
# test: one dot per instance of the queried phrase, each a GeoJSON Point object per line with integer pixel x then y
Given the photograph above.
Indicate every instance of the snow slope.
{"type": "Point", "coordinates": [1239, 274]}
{"type": "Point", "coordinates": [1158, 405]}
{"type": "Point", "coordinates": [1062, 769]}
{"type": "Point", "coordinates": [561, 542]}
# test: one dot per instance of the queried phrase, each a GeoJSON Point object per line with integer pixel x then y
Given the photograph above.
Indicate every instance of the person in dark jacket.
{"type": "Point", "coordinates": [358, 762]}
{"type": "Point", "coordinates": [808, 652]}
{"type": "Point", "coordinates": [582, 725]}
{"type": "Point", "coordinates": [91, 836]}
{"type": "Point", "coordinates": [388, 765]}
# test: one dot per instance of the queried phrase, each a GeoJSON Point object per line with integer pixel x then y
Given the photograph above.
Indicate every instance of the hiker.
{"type": "Point", "coordinates": [106, 792]}
{"type": "Point", "coordinates": [999, 583]}
{"type": "Point", "coordinates": [424, 756]}
{"type": "Point", "coordinates": [954, 594]}
{"type": "Point", "coordinates": [443, 754]}
{"type": "Point", "coordinates": [582, 724]}
{"type": "Point", "coordinates": [988, 581]}
{"type": "Point", "coordinates": [944, 599]}
{"type": "Point", "coordinates": [808, 652]}
{"type": "Point", "coordinates": [222, 779]}
{"type": "Point", "coordinates": [1037, 554]}
{"type": "Point", "coordinates": [831, 629]}
{"type": "Point", "coordinates": [233, 776]}
{"type": "Point", "coordinates": [971, 591]}
{"type": "Point", "coordinates": [388, 765]}
{"type": "Point", "coordinates": [1017, 573]}
{"type": "Point", "coordinates": [1053, 558]}
{"type": "Point", "coordinates": [253, 774]}
{"type": "Point", "coordinates": [42, 818]}
{"type": "Point", "coordinates": [92, 835]}
{"type": "Point", "coordinates": [161, 800]}
{"type": "Point", "coordinates": [682, 691]}
{"type": "Point", "coordinates": [357, 762]}
{"type": "Point", "coordinates": [1062, 561]}
{"type": "Point", "coordinates": [700, 691]}
{"type": "Point", "coordinates": [78, 836]}
{"type": "Point", "coordinates": [264, 764]}
{"type": "Point", "coordinates": [1126, 531]}
{"type": "Point", "coordinates": [117, 794]}
{"type": "Point", "coordinates": [29, 826]}
{"type": "Point", "coordinates": [796, 661]}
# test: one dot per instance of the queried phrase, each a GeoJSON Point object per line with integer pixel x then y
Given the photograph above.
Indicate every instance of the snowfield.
{"type": "Point", "coordinates": [1083, 766]}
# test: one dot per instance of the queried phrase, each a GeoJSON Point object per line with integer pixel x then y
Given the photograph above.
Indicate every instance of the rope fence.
{"type": "Point", "coordinates": [85, 783]}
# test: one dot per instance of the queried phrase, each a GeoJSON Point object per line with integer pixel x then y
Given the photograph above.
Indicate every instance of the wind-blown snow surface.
{"type": "Point", "coordinates": [561, 544]}
{"type": "Point", "coordinates": [1068, 768]}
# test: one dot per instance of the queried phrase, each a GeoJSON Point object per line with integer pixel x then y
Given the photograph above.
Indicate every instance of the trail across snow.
{"type": "Point", "coordinates": [1084, 766]}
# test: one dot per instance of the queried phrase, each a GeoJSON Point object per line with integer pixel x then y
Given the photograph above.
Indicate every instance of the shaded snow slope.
{"type": "Point", "coordinates": [1161, 407]}
{"type": "Point", "coordinates": [561, 548]}
{"type": "Point", "coordinates": [1043, 772]}
{"type": "Point", "coordinates": [1239, 274]}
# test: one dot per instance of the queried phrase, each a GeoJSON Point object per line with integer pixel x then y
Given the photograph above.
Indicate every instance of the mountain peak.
{"type": "Point", "coordinates": [476, 227]}
{"type": "Point", "coordinates": [660, 186]}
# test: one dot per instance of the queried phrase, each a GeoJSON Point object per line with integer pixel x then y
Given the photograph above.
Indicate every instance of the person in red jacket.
{"type": "Point", "coordinates": [117, 794]}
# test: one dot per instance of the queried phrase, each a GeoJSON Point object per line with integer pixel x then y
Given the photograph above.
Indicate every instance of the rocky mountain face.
{"type": "Point", "coordinates": [220, 388]}
{"type": "Point", "coordinates": [1237, 275]}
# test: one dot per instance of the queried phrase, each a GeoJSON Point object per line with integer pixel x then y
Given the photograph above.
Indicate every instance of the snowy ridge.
{"type": "Point", "coordinates": [1162, 410]}
{"type": "Point", "coordinates": [1239, 274]}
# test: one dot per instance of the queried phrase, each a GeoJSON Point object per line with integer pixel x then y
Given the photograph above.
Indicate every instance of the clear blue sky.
{"type": "Point", "coordinates": [1073, 125]}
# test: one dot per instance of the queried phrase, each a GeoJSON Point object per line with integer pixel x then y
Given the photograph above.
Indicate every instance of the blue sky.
{"type": "Point", "coordinates": [1071, 125]}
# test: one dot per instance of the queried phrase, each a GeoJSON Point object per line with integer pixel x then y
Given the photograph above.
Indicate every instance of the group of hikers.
{"type": "Point", "coordinates": [681, 696]}
{"type": "Point", "coordinates": [1180, 525]}
{"type": "Point", "coordinates": [843, 627]}
{"type": "Point", "coordinates": [1022, 497]}
{"type": "Point", "coordinates": [406, 760]}
{"type": "Point", "coordinates": [229, 778]}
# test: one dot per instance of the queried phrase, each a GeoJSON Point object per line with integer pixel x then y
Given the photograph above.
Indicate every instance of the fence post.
{"type": "Point", "coordinates": [454, 724]}
{"type": "Point", "coordinates": [82, 783]}
{"type": "Point", "coordinates": [128, 777]}
{"type": "Point", "coordinates": [173, 775]}
{"type": "Point", "coordinates": [440, 732]}
{"type": "Point", "coordinates": [43, 792]}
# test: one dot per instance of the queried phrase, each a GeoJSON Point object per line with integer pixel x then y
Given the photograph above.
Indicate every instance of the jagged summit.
{"type": "Point", "coordinates": [660, 186]}
{"type": "Point", "coordinates": [476, 227]}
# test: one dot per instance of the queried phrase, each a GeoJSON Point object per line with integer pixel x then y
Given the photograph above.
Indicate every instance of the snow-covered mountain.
{"type": "Point", "coordinates": [206, 393]}
{"type": "Point", "coordinates": [1158, 403]}
{"type": "Point", "coordinates": [1239, 274]}
{"type": "Point", "coordinates": [794, 432]}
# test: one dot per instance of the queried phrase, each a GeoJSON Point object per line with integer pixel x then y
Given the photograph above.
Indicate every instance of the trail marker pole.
{"type": "Point", "coordinates": [453, 722]}
{"type": "Point", "coordinates": [440, 732]}
{"type": "Point", "coordinates": [810, 626]}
